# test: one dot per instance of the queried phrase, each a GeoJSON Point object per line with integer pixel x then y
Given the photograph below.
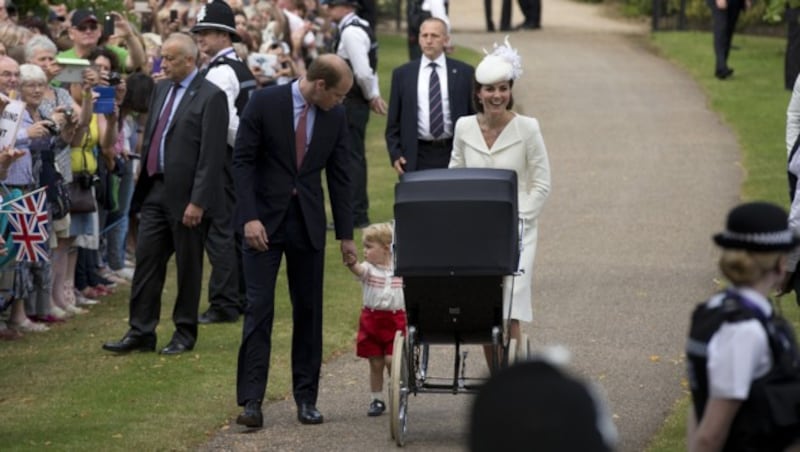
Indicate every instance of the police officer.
{"type": "Point", "coordinates": [735, 334]}
{"type": "Point", "coordinates": [356, 44]}
{"type": "Point", "coordinates": [215, 33]}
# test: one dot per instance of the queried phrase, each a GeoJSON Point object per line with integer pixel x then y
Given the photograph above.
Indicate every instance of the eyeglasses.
{"type": "Point", "coordinates": [9, 74]}
{"type": "Point", "coordinates": [84, 27]}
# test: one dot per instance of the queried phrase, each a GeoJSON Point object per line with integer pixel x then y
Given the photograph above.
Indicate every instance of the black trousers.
{"type": "Point", "coordinates": [304, 269]}
{"type": "Point", "coordinates": [225, 286]}
{"type": "Point", "coordinates": [792, 62]}
{"type": "Point", "coordinates": [357, 118]}
{"type": "Point", "coordinates": [434, 154]}
{"type": "Point", "coordinates": [532, 10]}
{"type": "Point", "coordinates": [161, 236]}
{"type": "Point", "coordinates": [724, 24]}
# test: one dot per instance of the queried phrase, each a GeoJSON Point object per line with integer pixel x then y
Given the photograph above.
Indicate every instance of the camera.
{"type": "Point", "coordinates": [86, 180]}
{"type": "Point", "coordinates": [114, 78]}
{"type": "Point", "coordinates": [51, 127]}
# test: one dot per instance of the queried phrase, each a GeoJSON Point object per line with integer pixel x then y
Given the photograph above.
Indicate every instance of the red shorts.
{"type": "Point", "coordinates": [376, 331]}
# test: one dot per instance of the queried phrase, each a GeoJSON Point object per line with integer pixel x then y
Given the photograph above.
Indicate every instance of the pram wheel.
{"type": "Point", "coordinates": [398, 402]}
{"type": "Point", "coordinates": [511, 353]}
{"type": "Point", "coordinates": [524, 348]}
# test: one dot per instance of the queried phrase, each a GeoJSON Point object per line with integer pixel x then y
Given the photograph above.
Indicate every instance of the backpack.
{"type": "Point", "coordinates": [770, 417]}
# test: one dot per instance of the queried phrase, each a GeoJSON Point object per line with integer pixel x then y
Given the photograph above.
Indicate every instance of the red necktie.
{"type": "Point", "coordinates": [300, 135]}
{"type": "Point", "coordinates": [158, 134]}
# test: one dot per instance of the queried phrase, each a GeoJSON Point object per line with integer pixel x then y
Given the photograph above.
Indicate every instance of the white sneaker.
{"type": "Point", "coordinates": [125, 273]}
{"type": "Point", "coordinates": [58, 313]}
{"type": "Point", "coordinates": [72, 309]}
{"type": "Point", "coordinates": [82, 300]}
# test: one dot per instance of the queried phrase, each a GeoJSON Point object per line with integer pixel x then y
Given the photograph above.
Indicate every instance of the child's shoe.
{"type": "Point", "coordinates": [376, 408]}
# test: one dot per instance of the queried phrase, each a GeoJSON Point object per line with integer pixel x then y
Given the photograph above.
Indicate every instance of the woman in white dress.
{"type": "Point", "coordinates": [497, 137]}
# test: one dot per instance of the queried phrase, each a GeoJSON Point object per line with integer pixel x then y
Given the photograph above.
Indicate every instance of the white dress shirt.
{"type": "Point", "coordinates": [423, 98]}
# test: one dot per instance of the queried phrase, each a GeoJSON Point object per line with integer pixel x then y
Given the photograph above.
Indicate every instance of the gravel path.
{"type": "Point", "coordinates": [643, 174]}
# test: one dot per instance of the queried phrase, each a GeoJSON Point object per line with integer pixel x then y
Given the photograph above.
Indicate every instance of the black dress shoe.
{"type": "Point", "coordinates": [527, 26]}
{"type": "Point", "coordinates": [723, 74]}
{"type": "Point", "coordinates": [217, 316]}
{"type": "Point", "coordinates": [308, 414]}
{"type": "Point", "coordinates": [251, 416]}
{"type": "Point", "coordinates": [131, 343]}
{"type": "Point", "coordinates": [175, 348]}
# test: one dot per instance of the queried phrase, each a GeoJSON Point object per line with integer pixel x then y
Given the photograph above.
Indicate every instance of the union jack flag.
{"type": "Point", "coordinates": [27, 223]}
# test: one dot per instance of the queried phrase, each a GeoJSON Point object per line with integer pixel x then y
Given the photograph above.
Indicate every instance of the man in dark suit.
{"type": "Point", "coordinates": [724, 15]}
{"type": "Point", "coordinates": [412, 142]}
{"type": "Point", "coordinates": [179, 190]}
{"type": "Point", "coordinates": [287, 136]}
{"type": "Point", "coordinates": [532, 10]}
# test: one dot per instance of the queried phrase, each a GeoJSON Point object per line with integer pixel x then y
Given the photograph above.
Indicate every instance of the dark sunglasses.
{"type": "Point", "coordinates": [90, 26]}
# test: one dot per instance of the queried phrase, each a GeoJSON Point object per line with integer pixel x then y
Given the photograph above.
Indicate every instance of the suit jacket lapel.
{"type": "Point", "coordinates": [412, 87]}
{"type": "Point", "coordinates": [454, 76]}
{"type": "Point", "coordinates": [286, 121]}
{"type": "Point", "coordinates": [160, 97]}
{"type": "Point", "coordinates": [187, 99]}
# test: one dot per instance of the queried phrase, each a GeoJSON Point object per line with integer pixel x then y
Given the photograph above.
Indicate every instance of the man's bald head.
{"type": "Point", "coordinates": [327, 81]}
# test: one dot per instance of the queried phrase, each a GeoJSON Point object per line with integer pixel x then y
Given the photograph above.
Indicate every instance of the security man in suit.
{"type": "Point", "coordinates": [415, 110]}
{"type": "Point", "coordinates": [177, 194]}
{"type": "Point", "coordinates": [288, 135]}
{"type": "Point", "coordinates": [215, 33]}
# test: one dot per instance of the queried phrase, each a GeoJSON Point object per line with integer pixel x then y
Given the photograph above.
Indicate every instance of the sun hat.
{"type": "Point", "coordinates": [757, 226]}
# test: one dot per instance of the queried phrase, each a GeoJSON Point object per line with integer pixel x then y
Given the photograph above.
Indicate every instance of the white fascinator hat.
{"type": "Point", "coordinates": [502, 64]}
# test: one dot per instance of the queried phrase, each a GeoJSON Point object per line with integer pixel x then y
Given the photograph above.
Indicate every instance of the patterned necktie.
{"type": "Point", "coordinates": [300, 134]}
{"type": "Point", "coordinates": [435, 114]}
{"type": "Point", "coordinates": [158, 134]}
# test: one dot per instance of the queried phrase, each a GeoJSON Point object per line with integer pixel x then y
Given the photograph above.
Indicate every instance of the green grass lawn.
{"type": "Point", "coordinates": [60, 391]}
{"type": "Point", "coordinates": [753, 104]}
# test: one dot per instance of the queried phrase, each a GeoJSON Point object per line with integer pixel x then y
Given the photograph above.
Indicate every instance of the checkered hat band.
{"type": "Point", "coordinates": [762, 238]}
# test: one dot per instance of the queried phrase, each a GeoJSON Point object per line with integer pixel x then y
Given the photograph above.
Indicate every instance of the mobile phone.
{"type": "Point", "coordinates": [173, 15]}
{"type": "Point", "coordinates": [108, 25]}
{"type": "Point", "coordinates": [131, 155]}
{"type": "Point", "coordinates": [156, 65]}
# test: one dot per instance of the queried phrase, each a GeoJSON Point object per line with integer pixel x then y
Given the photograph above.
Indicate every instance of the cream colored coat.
{"type": "Point", "coordinates": [519, 147]}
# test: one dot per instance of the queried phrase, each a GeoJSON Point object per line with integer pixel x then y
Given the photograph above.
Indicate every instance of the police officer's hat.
{"type": "Point", "coordinates": [217, 15]}
{"type": "Point", "coordinates": [757, 226]}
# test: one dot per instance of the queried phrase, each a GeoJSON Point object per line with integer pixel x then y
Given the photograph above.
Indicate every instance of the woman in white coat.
{"type": "Point", "coordinates": [497, 137]}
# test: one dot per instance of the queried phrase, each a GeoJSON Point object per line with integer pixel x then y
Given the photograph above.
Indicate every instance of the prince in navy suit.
{"type": "Point", "coordinates": [281, 211]}
{"type": "Point", "coordinates": [411, 143]}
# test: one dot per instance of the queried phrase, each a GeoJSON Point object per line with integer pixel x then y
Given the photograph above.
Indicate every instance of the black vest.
{"type": "Point", "coordinates": [355, 92]}
{"type": "Point", "coordinates": [768, 419]}
{"type": "Point", "coordinates": [247, 82]}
